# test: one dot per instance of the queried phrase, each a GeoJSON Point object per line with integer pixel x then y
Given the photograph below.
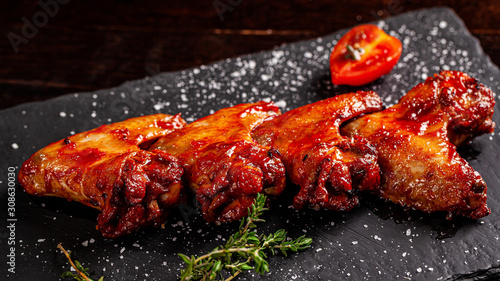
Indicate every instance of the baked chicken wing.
{"type": "Point", "coordinates": [416, 140]}
{"type": "Point", "coordinates": [326, 165]}
{"type": "Point", "coordinates": [223, 165]}
{"type": "Point", "coordinates": [107, 169]}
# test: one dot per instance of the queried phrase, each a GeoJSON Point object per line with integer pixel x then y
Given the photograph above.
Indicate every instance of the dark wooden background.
{"type": "Point", "coordinates": [54, 47]}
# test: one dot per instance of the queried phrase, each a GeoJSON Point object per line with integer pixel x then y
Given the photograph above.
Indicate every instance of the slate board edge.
{"type": "Point", "coordinates": [477, 46]}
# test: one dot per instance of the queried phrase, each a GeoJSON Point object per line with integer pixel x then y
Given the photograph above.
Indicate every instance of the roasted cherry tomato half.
{"type": "Point", "coordinates": [363, 54]}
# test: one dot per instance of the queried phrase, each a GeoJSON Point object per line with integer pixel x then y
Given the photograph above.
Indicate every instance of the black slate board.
{"type": "Point", "coordinates": [377, 241]}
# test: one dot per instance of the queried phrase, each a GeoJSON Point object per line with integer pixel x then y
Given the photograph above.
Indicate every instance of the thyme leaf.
{"type": "Point", "coordinates": [81, 272]}
{"type": "Point", "coordinates": [245, 250]}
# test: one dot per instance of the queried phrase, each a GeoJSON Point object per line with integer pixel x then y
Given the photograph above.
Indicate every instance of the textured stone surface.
{"type": "Point", "coordinates": [377, 241]}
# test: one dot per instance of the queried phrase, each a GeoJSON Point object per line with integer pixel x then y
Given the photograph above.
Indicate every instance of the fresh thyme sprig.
{"type": "Point", "coordinates": [243, 251]}
{"type": "Point", "coordinates": [81, 273]}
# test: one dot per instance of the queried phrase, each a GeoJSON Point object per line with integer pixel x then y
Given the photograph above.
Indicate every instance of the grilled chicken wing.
{"type": "Point", "coordinates": [223, 165]}
{"type": "Point", "coordinates": [326, 165]}
{"type": "Point", "coordinates": [416, 141]}
{"type": "Point", "coordinates": [106, 169]}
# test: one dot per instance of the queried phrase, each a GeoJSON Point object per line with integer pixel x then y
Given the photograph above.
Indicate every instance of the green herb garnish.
{"type": "Point", "coordinates": [244, 250]}
{"type": "Point", "coordinates": [81, 273]}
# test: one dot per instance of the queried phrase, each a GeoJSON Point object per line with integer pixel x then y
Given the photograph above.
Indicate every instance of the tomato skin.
{"type": "Point", "coordinates": [381, 53]}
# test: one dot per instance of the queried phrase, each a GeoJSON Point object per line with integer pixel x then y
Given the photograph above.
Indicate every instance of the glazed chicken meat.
{"type": "Point", "coordinates": [107, 169]}
{"type": "Point", "coordinates": [328, 167]}
{"type": "Point", "coordinates": [223, 165]}
{"type": "Point", "coordinates": [136, 170]}
{"type": "Point", "coordinates": [416, 141]}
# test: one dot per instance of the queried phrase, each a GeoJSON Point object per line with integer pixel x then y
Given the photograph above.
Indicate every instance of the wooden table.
{"type": "Point", "coordinates": [57, 47]}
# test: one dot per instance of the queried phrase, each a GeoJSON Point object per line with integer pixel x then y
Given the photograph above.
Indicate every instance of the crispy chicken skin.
{"type": "Point", "coordinates": [416, 141]}
{"type": "Point", "coordinates": [326, 165]}
{"type": "Point", "coordinates": [106, 169]}
{"type": "Point", "coordinates": [223, 165]}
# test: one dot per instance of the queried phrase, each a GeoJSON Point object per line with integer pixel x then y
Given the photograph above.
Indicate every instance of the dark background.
{"type": "Point", "coordinates": [66, 46]}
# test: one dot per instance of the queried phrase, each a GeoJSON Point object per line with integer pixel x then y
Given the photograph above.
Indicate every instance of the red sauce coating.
{"type": "Point", "coordinates": [416, 142]}
{"type": "Point", "coordinates": [106, 169]}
